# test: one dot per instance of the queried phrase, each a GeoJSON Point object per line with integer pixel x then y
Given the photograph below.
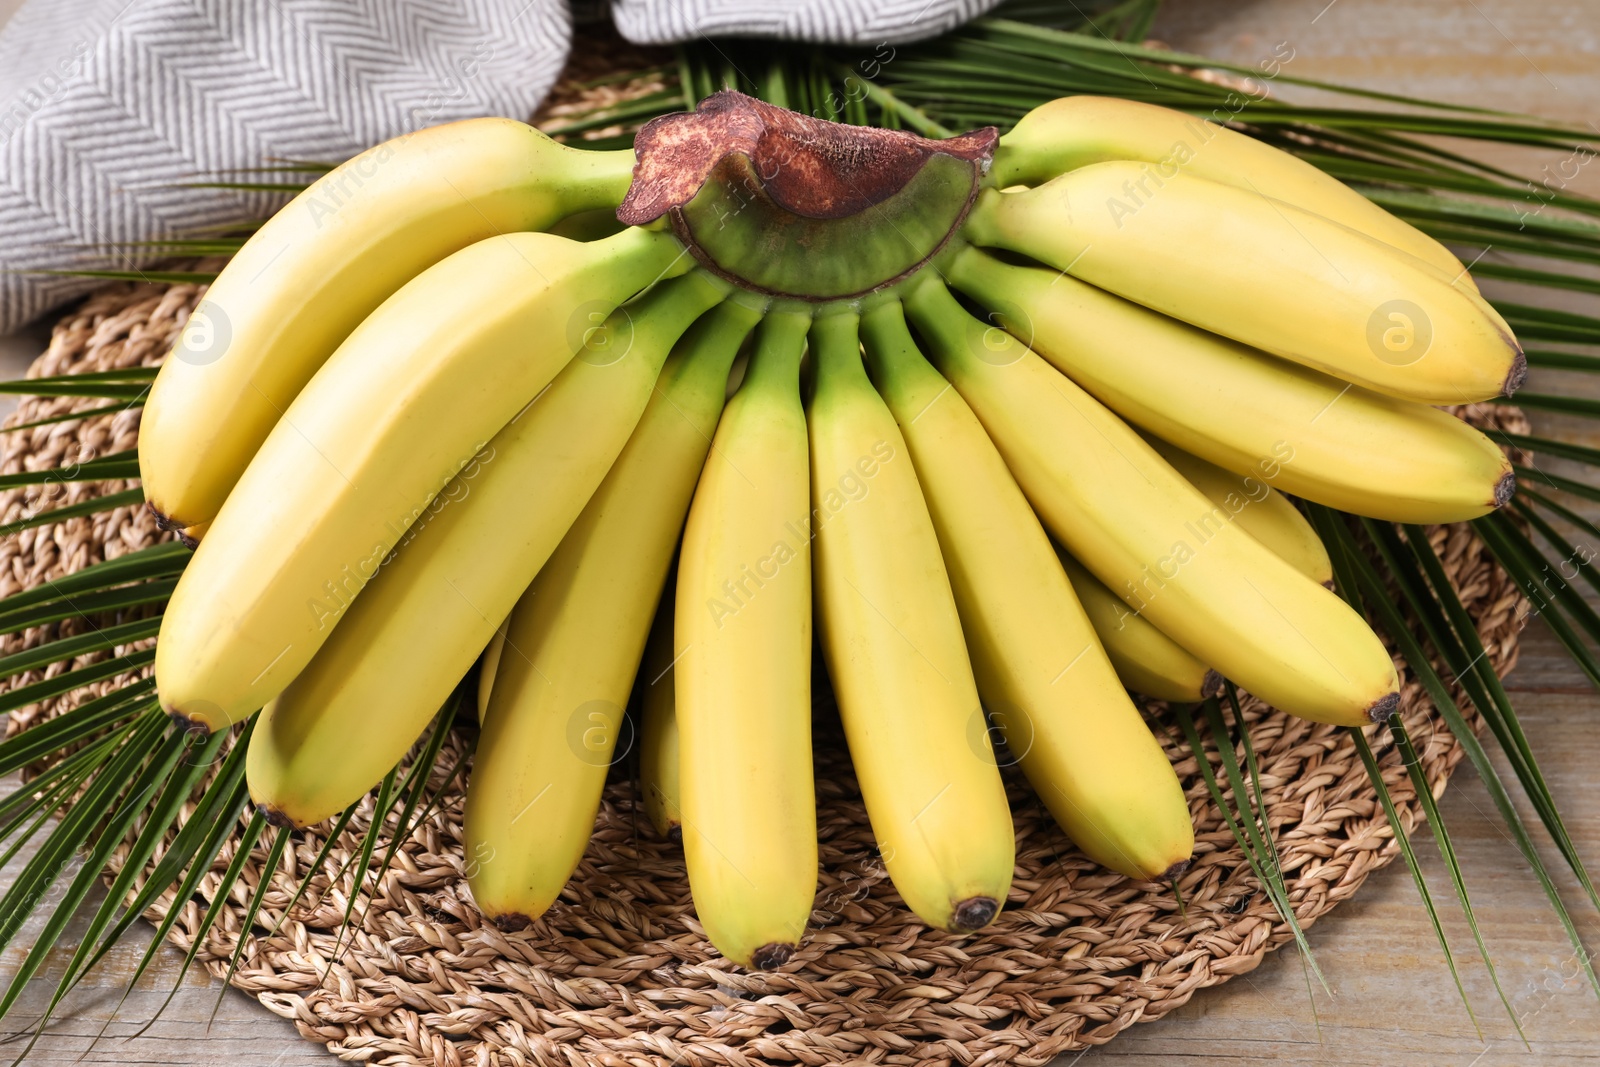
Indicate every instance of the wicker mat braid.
{"type": "Point", "coordinates": [619, 971]}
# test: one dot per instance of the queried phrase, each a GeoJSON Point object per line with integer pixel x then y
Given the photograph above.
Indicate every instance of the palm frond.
{"type": "Point", "coordinates": [1244, 825]}
{"type": "Point", "coordinates": [1403, 839]}
{"type": "Point", "coordinates": [1381, 604]}
{"type": "Point", "coordinates": [113, 467]}
{"type": "Point", "coordinates": [71, 416]}
{"type": "Point", "coordinates": [93, 506]}
{"type": "Point", "coordinates": [48, 688]}
{"type": "Point", "coordinates": [186, 861]}
{"type": "Point", "coordinates": [381, 809]}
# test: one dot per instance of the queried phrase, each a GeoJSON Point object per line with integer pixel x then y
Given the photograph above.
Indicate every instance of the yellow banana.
{"type": "Point", "coordinates": [1147, 660]}
{"type": "Point", "coordinates": [575, 638]}
{"type": "Point", "coordinates": [1153, 538]}
{"type": "Point", "coordinates": [487, 667]}
{"type": "Point", "coordinates": [395, 413]}
{"type": "Point", "coordinates": [1241, 409]}
{"type": "Point", "coordinates": [1264, 273]}
{"type": "Point", "coordinates": [893, 643]}
{"type": "Point", "coordinates": [658, 726]}
{"type": "Point", "coordinates": [1259, 510]}
{"type": "Point", "coordinates": [1040, 669]}
{"type": "Point", "coordinates": [1076, 131]}
{"type": "Point", "coordinates": [742, 631]}
{"type": "Point", "coordinates": [433, 606]}
{"type": "Point", "coordinates": [304, 281]}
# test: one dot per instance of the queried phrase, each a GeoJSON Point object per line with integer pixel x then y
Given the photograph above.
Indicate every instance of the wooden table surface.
{"type": "Point", "coordinates": [1389, 997]}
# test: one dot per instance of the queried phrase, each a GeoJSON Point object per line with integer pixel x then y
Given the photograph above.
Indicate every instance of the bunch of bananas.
{"type": "Point", "coordinates": [1014, 416]}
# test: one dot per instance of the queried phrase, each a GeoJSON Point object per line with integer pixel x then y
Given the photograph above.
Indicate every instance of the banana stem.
{"type": "Point", "coordinates": [599, 179]}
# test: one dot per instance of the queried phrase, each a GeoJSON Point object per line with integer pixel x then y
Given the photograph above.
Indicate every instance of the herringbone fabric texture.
{"type": "Point", "coordinates": [112, 112]}
{"type": "Point", "coordinates": [864, 22]}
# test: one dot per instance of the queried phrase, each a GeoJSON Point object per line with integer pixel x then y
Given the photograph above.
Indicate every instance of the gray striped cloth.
{"type": "Point", "coordinates": [112, 110]}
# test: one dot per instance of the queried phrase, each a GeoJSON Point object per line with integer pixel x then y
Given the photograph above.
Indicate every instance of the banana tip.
{"type": "Point", "coordinates": [1517, 376]}
{"type": "Point", "coordinates": [1173, 873]}
{"type": "Point", "coordinates": [771, 956]}
{"type": "Point", "coordinates": [163, 521]}
{"type": "Point", "coordinates": [277, 817]}
{"type": "Point", "coordinates": [1505, 489]}
{"type": "Point", "coordinates": [974, 913]}
{"type": "Point", "coordinates": [1383, 709]}
{"type": "Point", "coordinates": [1211, 684]}
{"type": "Point", "coordinates": [188, 724]}
{"type": "Point", "coordinates": [675, 834]}
{"type": "Point", "coordinates": [511, 922]}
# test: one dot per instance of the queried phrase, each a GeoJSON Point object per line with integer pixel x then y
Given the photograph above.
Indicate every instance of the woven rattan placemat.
{"type": "Point", "coordinates": [619, 971]}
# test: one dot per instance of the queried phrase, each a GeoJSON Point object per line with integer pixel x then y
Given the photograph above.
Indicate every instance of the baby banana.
{"type": "Point", "coordinates": [421, 621]}
{"type": "Point", "coordinates": [1040, 669]}
{"type": "Point", "coordinates": [895, 653]}
{"type": "Point", "coordinates": [1077, 131]}
{"type": "Point", "coordinates": [743, 671]}
{"type": "Point", "coordinates": [1122, 511]}
{"type": "Point", "coordinates": [1293, 283]}
{"type": "Point", "coordinates": [1298, 429]}
{"type": "Point", "coordinates": [308, 277]}
{"type": "Point", "coordinates": [402, 407]}
{"type": "Point", "coordinates": [574, 641]}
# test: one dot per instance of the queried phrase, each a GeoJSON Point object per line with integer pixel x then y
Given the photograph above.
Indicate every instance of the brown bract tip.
{"type": "Point", "coordinates": [809, 166]}
{"type": "Point", "coordinates": [675, 834]}
{"type": "Point", "coordinates": [275, 817]}
{"type": "Point", "coordinates": [1517, 376]}
{"type": "Point", "coordinates": [974, 913]}
{"type": "Point", "coordinates": [1211, 684]}
{"type": "Point", "coordinates": [770, 957]}
{"type": "Point", "coordinates": [1383, 709]}
{"type": "Point", "coordinates": [1505, 489]}
{"type": "Point", "coordinates": [1173, 873]}
{"type": "Point", "coordinates": [191, 543]}
{"type": "Point", "coordinates": [512, 922]}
